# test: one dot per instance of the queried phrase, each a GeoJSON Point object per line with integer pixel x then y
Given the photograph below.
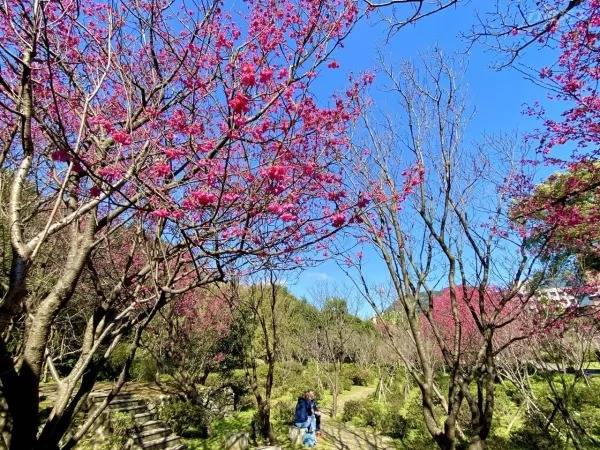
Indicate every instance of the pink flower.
{"type": "Point", "coordinates": [546, 72]}
{"type": "Point", "coordinates": [277, 173]}
{"type": "Point", "coordinates": [333, 65]}
{"type": "Point", "coordinates": [275, 208]}
{"type": "Point", "coordinates": [161, 169]}
{"type": "Point", "coordinates": [204, 198]}
{"type": "Point", "coordinates": [248, 79]}
{"type": "Point", "coordinates": [266, 75]}
{"type": "Point", "coordinates": [363, 200]}
{"type": "Point", "coordinates": [161, 213]}
{"type": "Point", "coordinates": [121, 137]}
{"type": "Point", "coordinates": [173, 152]}
{"type": "Point", "coordinates": [368, 78]}
{"type": "Point", "coordinates": [95, 191]}
{"type": "Point", "coordinates": [110, 173]}
{"type": "Point", "coordinates": [338, 220]}
{"type": "Point", "coordinates": [288, 217]}
{"type": "Point", "coordinates": [230, 197]}
{"type": "Point", "coordinates": [239, 103]}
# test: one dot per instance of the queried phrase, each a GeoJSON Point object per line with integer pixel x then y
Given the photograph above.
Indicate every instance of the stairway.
{"type": "Point", "coordinates": [150, 433]}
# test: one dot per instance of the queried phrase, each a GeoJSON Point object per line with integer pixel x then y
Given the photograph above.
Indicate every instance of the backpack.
{"type": "Point", "coordinates": [310, 439]}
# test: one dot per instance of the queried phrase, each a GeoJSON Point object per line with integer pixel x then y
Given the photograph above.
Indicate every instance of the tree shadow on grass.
{"type": "Point", "coordinates": [343, 437]}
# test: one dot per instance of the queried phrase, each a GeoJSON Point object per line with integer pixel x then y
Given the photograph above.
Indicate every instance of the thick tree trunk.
{"type": "Point", "coordinates": [59, 423]}
{"type": "Point", "coordinates": [25, 412]}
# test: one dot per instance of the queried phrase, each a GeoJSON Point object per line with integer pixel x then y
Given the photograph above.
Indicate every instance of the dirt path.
{"type": "Point", "coordinates": [338, 435]}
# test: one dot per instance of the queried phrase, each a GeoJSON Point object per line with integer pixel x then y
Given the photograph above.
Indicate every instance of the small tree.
{"type": "Point", "coordinates": [335, 338]}
{"type": "Point", "coordinates": [188, 339]}
{"type": "Point", "coordinates": [436, 214]}
{"type": "Point", "coordinates": [268, 307]}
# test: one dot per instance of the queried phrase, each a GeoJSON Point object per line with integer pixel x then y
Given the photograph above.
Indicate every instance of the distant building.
{"type": "Point", "coordinates": [570, 296]}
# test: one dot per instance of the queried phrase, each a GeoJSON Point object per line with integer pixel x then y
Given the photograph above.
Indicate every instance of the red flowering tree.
{"type": "Point", "coordinates": [190, 126]}
{"type": "Point", "coordinates": [188, 341]}
{"type": "Point", "coordinates": [564, 207]}
{"type": "Point", "coordinates": [472, 314]}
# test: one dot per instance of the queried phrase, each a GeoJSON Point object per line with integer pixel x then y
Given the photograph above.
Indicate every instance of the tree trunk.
{"type": "Point", "coordinates": [25, 411]}
{"type": "Point", "coordinates": [264, 422]}
{"type": "Point", "coordinates": [477, 444]}
{"type": "Point", "coordinates": [336, 390]}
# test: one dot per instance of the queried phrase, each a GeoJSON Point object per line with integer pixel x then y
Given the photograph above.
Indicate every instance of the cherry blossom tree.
{"type": "Point", "coordinates": [188, 341]}
{"type": "Point", "coordinates": [192, 127]}
{"type": "Point", "coordinates": [472, 314]}
{"type": "Point", "coordinates": [563, 206]}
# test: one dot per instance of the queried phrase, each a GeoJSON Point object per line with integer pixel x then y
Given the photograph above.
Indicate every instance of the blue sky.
{"type": "Point", "coordinates": [498, 97]}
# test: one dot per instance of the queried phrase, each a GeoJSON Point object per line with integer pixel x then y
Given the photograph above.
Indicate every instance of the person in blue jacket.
{"type": "Point", "coordinates": [304, 416]}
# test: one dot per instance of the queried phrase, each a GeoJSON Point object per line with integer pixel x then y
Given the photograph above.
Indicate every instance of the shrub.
{"type": "Point", "coordinates": [185, 418]}
{"type": "Point", "coordinates": [357, 376]}
{"type": "Point", "coordinates": [373, 414]}
{"type": "Point", "coordinates": [352, 409]}
{"type": "Point", "coordinates": [394, 424]}
{"type": "Point", "coordinates": [283, 411]}
{"type": "Point", "coordinates": [122, 424]}
{"type": "Point", "coordinates": [345, 383]}
{"type": "Point", "coordinates": [416, 435]}
{"type": "Point", "coordinates": [144, 366]}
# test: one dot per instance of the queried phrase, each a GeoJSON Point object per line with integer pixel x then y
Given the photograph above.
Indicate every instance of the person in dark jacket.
{"type": "Point", "coordinates": [304, 416]}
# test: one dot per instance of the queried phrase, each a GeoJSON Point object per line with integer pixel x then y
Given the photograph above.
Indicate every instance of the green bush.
{"type": "Point", "coordinates": [283, 411]}
{"type": "Point", "coordinates": [352, 409]}
{"type": "Point", "coordinates": [357, 376]}
{"type": "Point", "coordinates": [373, 414]}
{"type": "Point", "coordinates": [143, 368]}
{"type": "Point", "coordinates": [122, 424]}
{"type": "Point", "coordinates": [394, 424]}
{"type": "Point", "coordinates": [345, 383]}
{"type": "Point", "coordinates": [416, 435]}
{"type": "Point", "coordinates": [185, 418]}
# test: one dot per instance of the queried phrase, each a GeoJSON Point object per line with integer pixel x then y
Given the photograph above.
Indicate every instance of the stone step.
{"type": "Point", "coordinates": [161, 443]}
{"type": "Point", "coordinates": [128, 408]}
{"type": "Point", "coordinates": [152, 434]}
{"type": "Point", "coordinates": [153, 423]}
{"type": "Point", "coordinates": [144, 417]}
{"type": "Point", "coordinates": [177, 447]}
{"type": "Point", "coordinates": [99, 396]}
{"type": "Point", "coordinates": [126, 401]}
